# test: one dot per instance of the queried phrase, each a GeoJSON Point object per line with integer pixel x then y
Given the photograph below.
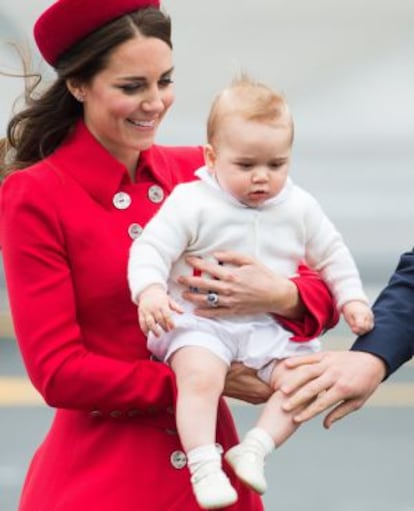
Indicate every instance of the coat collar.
{"type": "Point", "coordinates": [83, 158]}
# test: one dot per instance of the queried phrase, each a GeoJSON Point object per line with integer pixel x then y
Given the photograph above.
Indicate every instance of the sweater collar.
{"type": "Point", "coordinates": [210, 180]}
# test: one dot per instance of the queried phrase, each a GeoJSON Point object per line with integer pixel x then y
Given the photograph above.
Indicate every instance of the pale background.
{"type": "Point", "coordinates": [347, 71]}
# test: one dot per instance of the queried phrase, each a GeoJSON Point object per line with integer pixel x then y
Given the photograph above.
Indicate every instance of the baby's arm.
{"type": "Point", "coordinates": [359, 316]}
{"type": "Point", "coordinates": [328, 254]}
{"type": "Point", "coordinates": [154, 310]}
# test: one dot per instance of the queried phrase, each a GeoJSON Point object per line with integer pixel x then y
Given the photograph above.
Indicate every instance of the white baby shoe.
{"type": "Point", "coordinates": [248, 464]}
{"type": "Point", "coordinates": [212, 488]}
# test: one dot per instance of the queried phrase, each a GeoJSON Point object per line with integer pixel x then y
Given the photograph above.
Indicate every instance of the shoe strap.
{"type": "Point", "coordinates": [210, 468]}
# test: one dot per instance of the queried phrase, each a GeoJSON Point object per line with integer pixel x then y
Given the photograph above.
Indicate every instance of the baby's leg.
{"type": "Point", "coordinates": [200, 378]}
{"type": "Point", "coordinates": [277, 423]}
{"type": "Point", "coordinates": [272, 429]}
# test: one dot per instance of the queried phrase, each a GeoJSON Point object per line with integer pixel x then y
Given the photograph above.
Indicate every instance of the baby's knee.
{"type": "Point", "coordinates": [203, 382]}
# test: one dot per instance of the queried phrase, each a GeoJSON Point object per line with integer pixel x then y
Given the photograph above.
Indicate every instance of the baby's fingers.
{"type": "Point", "coordinates": [162, 318]}
{"type": "Point", "coordinates": [148, 323]}
{"type": "Point", "coordinates": [362, 324]}
{"type": "Point", "coordinates": [174, 306]}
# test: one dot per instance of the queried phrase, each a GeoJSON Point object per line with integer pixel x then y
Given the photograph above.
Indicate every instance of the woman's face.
{"type": "Point", "coordinates": [125, 103]}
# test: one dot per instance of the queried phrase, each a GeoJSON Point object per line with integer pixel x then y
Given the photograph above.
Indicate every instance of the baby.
{"type": "Point", "coordinates": [243, 201]}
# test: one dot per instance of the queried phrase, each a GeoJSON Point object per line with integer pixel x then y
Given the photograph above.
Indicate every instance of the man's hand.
{"type": "Point", "coordinates": [343, 380]}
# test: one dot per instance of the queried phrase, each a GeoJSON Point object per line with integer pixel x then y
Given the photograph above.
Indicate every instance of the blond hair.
{"type": "Point", "coordinates": [252, 100]}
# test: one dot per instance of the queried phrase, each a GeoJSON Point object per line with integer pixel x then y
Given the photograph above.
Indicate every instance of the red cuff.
{"type": "Point", "coordinates": [320, 314]}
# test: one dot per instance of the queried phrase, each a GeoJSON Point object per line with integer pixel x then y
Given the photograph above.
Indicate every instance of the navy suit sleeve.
{"type": "Point", "coordinates": [392, 339]}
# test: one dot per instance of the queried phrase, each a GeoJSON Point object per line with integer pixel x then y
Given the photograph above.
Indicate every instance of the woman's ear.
{"type": "Point", "coordinates": [76, 90]}
{"type": "Point", "coordinates": [210, 156]}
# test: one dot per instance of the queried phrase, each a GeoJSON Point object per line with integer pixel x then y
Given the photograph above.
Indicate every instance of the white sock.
{"type": "Point", "coordinates": [202, 456]}
{"type": "Point", "coordinates": [259, 439]}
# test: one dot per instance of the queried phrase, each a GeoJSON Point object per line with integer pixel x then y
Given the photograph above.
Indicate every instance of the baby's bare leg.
{"type": "Point", "coordinates": [273, 419]}
{"type": "Point", "coordinates": [272, 429]}
{"type": "Point", "coordinates": [200, 380]}
{"type": "Point", "coordinates": [278, 423]}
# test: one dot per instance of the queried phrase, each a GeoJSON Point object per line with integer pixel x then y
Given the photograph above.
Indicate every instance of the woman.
{"type": "Point", "coordinates": [90, 178]}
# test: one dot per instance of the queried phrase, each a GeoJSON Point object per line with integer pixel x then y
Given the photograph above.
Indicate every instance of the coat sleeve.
{"type": "Point", "coordinates": [320, 312]}
{"type": "Point", "coordinates": [66, 372]}
{"type": "Point", "coordinates": [392, 338]}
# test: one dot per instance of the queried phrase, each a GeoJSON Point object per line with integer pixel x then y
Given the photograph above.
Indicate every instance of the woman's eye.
{"type": "Point", "coordinates": [131, 88]}
{"type": "Point", "coordinates": [165, 82]}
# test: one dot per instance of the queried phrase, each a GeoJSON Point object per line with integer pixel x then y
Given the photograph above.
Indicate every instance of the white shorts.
{"type": "Point", "coordinates": [257, 344]}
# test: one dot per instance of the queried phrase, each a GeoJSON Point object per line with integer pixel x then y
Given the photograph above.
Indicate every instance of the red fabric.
{"type": "Point", "coordinates": [65, 250]}
{"type": "Point", "coordinates": [66, 22]}
{"type": "Point", "coordinates": [321, 313]}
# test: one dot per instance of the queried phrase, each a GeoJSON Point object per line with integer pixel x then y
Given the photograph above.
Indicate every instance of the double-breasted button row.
{"type": "Point", "coordinates": [115, 414]}
{"type": "Point", "coordinates": [122, 200]}
{"type": "Point", "coordinates": [132, 412]}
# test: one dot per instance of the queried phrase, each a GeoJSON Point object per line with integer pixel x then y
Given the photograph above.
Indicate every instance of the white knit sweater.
{"type": "Point", "coordinates": [199, 218]}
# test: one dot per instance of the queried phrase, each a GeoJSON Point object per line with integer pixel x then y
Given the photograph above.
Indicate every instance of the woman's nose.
{"type": "Point", "coordinates": [153, 101]}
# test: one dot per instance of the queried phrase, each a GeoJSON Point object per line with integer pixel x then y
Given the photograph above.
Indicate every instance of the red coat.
{"type": "Point", "coordinates": [65, 246]}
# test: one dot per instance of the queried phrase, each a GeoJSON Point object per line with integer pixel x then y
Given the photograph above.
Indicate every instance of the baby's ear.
{"type": "Point", "coordinates": [209, 157]}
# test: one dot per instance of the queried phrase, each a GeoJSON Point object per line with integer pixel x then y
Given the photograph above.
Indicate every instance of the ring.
{"type": "Point", "coordinates": [212, 299]}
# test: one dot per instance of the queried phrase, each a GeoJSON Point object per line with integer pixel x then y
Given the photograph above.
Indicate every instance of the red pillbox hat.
{"type": "Point", "coordinates": [66, 22]}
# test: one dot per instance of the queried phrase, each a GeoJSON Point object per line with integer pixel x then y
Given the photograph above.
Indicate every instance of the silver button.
{"type": "Point", "coordinates": [170, 410]}
{"type": "Point", "coordinates": [178, 459]}
{"type": "Point", "coordinates": [121, 200]}
{"type": "Point", "coordinates": [134, 231]}
{"type": "Point", "coordinates": [115, 414]}
{"type": "Point", "coordinates": [155, 194]}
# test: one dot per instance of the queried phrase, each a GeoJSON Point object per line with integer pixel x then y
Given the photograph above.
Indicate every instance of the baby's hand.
{"type": "Point", "coordinates": [154, 310]}
{"type": "Point", "coordinates": [359, 317]}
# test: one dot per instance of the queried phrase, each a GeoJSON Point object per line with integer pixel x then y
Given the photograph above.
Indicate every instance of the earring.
{"type": "Point", "coordinates": [79, 98]}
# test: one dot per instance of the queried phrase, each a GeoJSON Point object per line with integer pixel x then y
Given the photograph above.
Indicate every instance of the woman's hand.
{"type": "Point", "coordinates": [243, 383]}
{"type": "Point", "coordinates": [243, 285]}
{"type": "Point", "coordinates": [343, 380]}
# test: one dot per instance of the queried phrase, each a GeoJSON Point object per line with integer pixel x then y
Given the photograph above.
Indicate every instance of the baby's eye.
{"type": "Point", "coordinates": [245, 165]}
{"type": "Point", "coordinates": [276, 165]}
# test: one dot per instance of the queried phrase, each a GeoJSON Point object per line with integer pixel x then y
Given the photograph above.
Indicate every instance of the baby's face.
{"type": "Point", "coordinates": [251, 158]}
